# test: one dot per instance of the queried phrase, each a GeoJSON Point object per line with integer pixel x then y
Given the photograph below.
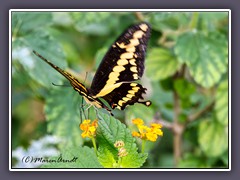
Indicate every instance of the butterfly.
{"type": "Point", "coordinates": [115, 80]}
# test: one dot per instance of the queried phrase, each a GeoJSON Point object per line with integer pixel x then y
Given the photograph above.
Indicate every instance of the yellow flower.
{"type": "Point", "coordinates": [143, 129]}
{"type": "Point", "coordinates": [135, 134]}
{"type": "Point", "coordinates": [151, 136]}
{"type": "Point", "coordinates": [158, 132]}
{"type": "Point", "coordinates": [138, 121]}
{"type": "Point", "coordinates": [157, 126]}
{"type": "Point", "coordinates": [147, 133]}
{"type": "Point", "coordinates": [88, 128]}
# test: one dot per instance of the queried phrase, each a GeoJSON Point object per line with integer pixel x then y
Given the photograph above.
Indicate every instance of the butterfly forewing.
{"type": "Point", "coordinates": [124, 61]}
{"type": "Point", "coordinates": [121, 66]}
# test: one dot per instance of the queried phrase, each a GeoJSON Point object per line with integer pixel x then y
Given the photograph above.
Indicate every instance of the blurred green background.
{"type": "Point", "coordinates": [186, 74]}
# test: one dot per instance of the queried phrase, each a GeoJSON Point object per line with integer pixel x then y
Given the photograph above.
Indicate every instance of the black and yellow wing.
{"type": "Point", "coordinates": [115, 79]}
{"type": "Point", "coordinates": [126, 94]}
{"type": "Point", "coordinates": [122, 65]}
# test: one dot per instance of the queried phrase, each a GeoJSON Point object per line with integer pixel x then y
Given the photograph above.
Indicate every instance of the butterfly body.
{"type": "Point", "coordinates": [115, 79]}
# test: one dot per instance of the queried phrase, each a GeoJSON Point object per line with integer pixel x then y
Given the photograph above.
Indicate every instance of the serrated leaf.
{"type": "Point", "coordinates": [45, 45]}
{"type": "Point", "coordinates": [160, 64]}
{"type": "Point", "coordinates": [111, 130]}
{"type": "Point", "coordinates": [62, 113]}
{"type": "Point", "coordinates": [213, 138]}
{"type": "Point", "coordinates": [25, 22]}
{"type": "Point", "coordinates": [221, 106]}
{"type": "Point", "coordinates": [206, 56]}
{"type": "Point", "coordinates": [75, 157]}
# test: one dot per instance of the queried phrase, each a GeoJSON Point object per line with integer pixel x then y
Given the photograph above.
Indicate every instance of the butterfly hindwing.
{"type": "Point", "coordinates": [124, 61]}
{"type": "Point", "coordinates": [126, 94]}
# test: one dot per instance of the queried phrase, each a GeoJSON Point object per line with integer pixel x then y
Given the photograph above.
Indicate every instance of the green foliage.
{"type": "Point", "coordinates": [184, 88]}
{"type": "Point", "coordinates": [25, 22]}
{"type": "Point", "coordinates": [74, 157]}
{"type": "Point", "coordinates": [112, 130]}
{"type": "Point", "coordinates": [213, 138]}
{"type": "Point", "coordinates": [161, 64]}
{"type": "Point", "coordinates": [62, 115]}
{"type": "Point", "coordinates": [185, 76]}
{"type": "Point", "coordinates": [167, 20]}
{"type": "Point", "coordinates": [205, 56]}
{"type": "Point", "coordinates": [94, 23]}
{"type": "Point", "coordinates": [221, 107]}
{"type": "Point", "coordinates": [138, 111]}
{"type": "Point", "coordinates": [193, 161]}
{"type": "Point", "coordinates": [28, 37]}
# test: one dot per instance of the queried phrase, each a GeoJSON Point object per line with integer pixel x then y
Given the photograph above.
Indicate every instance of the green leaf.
{"type": "Point", "coordinates": [45, 45]}
{"type": "Point", "coordinates": [62, 113]}
{"type": "Point", "coordinates": [185, 91]}
{"type": "Point", "coordinates": [74, 157]}
{"type": "Point", "coordinates": [62, 18]}
{"type": "Point", "coordinates": [167, 20]}
{"type": "Point", "coordinates": [211, 21]}
{"type": "Point", "coordinates": [99, 56]}
{"type": "Point", "coordinates": [111, 130]}
{"type": "Point", "coordinates": [162, 99]}
{"type": "Point", "coordinates": [206, 56]}
{"type": "Point", "coordinates": [221, 106]}
{"type": "Point", "coordinates": [25, 22]}
{"type": "Point", "coordinates": [225, 158]}
{"type": "Point", "coordinates": [160, 64]}
{"type": "Point", "coordinates": [94, 23]}
{"type": "Point", "coordinates": [184, 88]}
{"type": "Point", "coordinates": [193, 161]}
{"type": "Point", "coordinates": [138, 111]}
{"type": "Point", "coordinates": [213, 138]}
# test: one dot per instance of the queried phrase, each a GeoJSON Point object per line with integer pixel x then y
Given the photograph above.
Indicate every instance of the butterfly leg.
{"type": "Point", "coordinates": [81, 110]}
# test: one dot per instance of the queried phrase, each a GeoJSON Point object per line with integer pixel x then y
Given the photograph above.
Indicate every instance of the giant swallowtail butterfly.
{"type": "Point", "coordinates": [115, 79]}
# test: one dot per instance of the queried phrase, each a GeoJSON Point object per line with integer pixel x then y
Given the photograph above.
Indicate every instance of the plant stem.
{"type": "Point", "coordinates": [194, 20]}
{"type": "Point", "coordinates": [177, 130]}
{"type": "Point", "coordinates": [94, 145]}
{"type": "Point", "coordinates": [119, 161]}
{"type": "Point", "coordinates": [139, 16]}
{"type": "Point", "coordinates": [143, 145]}
{"type": "Point", "coordinates": [198, 114]}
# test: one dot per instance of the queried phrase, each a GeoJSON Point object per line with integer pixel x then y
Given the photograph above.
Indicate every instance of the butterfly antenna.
{"type": "Point", "coordinates": [62, 85]}
{"type": "Point", "coordinates": [85, 77]}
